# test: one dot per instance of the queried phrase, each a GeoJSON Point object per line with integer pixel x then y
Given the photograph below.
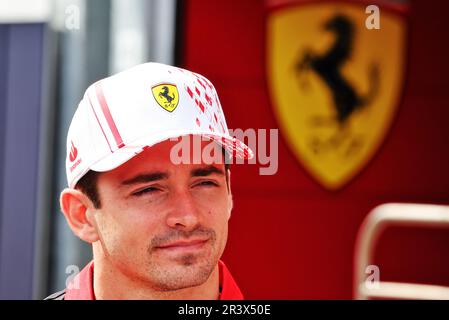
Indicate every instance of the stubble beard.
{"type": "Point", "coordinates": [183, 271]}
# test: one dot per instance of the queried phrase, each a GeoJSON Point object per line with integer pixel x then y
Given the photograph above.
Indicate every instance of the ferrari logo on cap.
{"type": "Point", "coordinates": [334, 85]}
{"type": "Point", "coordinates": [166, 96]}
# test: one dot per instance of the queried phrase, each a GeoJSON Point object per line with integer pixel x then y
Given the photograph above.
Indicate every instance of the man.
{"type": "Point", "coordinates": [156, 212]}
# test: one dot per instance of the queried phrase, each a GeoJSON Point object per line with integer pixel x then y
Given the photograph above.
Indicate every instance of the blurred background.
{"type": "Point", "coordinates": [293, 234]}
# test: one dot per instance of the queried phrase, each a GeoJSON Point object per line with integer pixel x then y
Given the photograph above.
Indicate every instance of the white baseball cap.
{"type": "Point", "coordinates": [123, 114]}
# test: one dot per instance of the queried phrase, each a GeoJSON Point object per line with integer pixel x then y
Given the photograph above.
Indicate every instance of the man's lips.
{"type": "Point", "coordinates": [184, 245]}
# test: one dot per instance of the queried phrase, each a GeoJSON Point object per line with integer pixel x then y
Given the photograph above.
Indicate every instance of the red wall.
{"type": "Point", "coordinates": [289, 238]}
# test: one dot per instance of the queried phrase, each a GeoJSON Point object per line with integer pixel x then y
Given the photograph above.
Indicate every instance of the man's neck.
{"type": "Point", "coordinates": [109, 283]}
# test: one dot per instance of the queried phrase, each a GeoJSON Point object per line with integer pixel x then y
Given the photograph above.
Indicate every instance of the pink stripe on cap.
{"type": "Point", "coordinates": [99, 123]}
{"type": "Point", "coordinates": [108, 116]}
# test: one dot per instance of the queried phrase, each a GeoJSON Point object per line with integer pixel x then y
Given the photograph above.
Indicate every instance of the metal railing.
{"type": "Point", "coordinates": [381, 217]}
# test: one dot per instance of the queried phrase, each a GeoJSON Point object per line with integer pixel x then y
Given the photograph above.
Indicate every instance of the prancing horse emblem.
{"type": "Point", "coordinates": [166, 96]}
{"type": "Point", "coordinates": [328, 67]}
{"type": "Point", "coordinates": [334, 88]}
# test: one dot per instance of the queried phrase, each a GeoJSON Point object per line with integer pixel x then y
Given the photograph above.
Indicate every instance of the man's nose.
{"type": "Point", "coordinates": [183, 213]}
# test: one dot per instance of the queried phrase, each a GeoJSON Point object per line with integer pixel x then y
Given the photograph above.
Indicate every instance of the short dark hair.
{"type": "Point", "coordinates": [88, 183]}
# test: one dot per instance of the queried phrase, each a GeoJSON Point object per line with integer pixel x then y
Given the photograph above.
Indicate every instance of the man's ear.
{"type": "Point", "coordinates": [75, 206]}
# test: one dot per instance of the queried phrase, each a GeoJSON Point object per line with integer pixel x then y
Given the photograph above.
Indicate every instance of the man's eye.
{"type": "Point", "coordinates": [145, 191]}
{"type": "Point", "coordinates": [207, 183]}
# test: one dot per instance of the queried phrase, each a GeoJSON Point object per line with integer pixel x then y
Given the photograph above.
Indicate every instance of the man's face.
{"type": "Point", "coordinates": [161, 223]}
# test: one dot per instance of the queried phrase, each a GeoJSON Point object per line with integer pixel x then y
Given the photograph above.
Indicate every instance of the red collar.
{"type": "Point", "coordinates": [84, 282]}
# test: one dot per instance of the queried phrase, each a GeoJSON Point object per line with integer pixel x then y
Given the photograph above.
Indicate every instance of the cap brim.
{"type": "Point", "coordinates": [234, 147]}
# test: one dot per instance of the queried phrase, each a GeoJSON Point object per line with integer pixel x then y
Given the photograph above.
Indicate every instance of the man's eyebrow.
{"type": "Point", "coordinates": [205, 171]}
{"type": "Point", "coordinates": [146, 177]}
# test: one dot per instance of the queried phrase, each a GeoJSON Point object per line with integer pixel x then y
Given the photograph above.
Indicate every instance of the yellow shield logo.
{"type": "Point", "coordinates": [166, 96]}
{"type": "Point", "coordinates": [335, 85]}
